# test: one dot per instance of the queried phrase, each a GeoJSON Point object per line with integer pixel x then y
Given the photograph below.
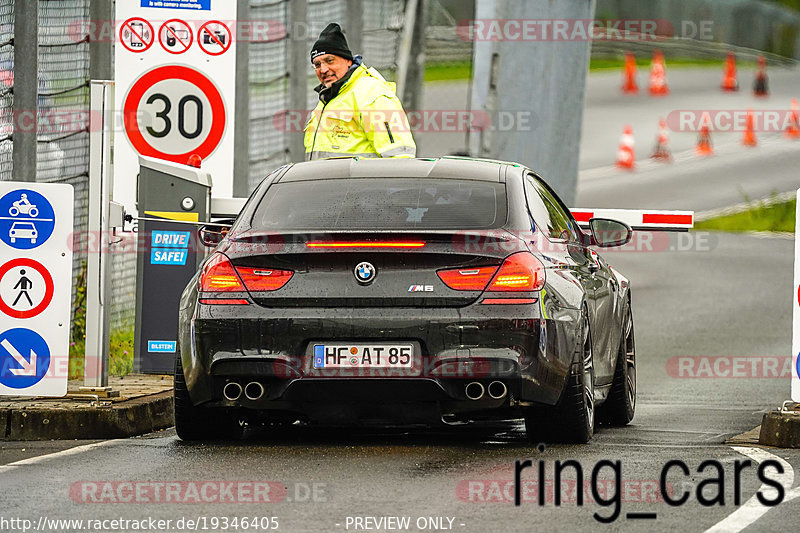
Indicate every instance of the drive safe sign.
{"type": "Point", "coordinates": [175, 87]}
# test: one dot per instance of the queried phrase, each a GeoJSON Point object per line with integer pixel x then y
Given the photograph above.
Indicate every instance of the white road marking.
{"type": "Point", "coordinates": [752, 509]}
{"type": "Point", "coordinates": [63, 453]}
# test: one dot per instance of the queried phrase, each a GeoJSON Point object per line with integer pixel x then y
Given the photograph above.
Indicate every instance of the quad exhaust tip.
{"type": "Point", "coordinates": [253, 390]}
{"type": "Point", "coordinates": [497, 390]}
{"type": "Point", "coordinates": [232, 391]}
{"type": "Point", "coordinates": [474, 390]}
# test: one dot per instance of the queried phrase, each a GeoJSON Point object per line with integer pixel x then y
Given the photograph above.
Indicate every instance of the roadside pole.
{"type": "Point", "coordinates": [26, 88]}
{"type": "Point", "coordinates": [782, 428]}
{"type": "Point", "coordinates": [103, 216]}
{"type": "Point", "coordinates": [298, 60]}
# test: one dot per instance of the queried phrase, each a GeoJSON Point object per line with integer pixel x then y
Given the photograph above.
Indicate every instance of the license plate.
{"type": "Point", "coordinates": [363, 355]}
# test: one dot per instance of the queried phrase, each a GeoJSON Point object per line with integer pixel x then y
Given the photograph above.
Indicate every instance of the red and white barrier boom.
{"type": "Point", "coordinates": [638, 219]}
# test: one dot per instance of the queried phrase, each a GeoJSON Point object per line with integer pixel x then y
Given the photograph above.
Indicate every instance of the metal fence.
{"type": "Point", "coordinates": [6, 86]}
{"type": "Point", "coordinates": [63, 87]}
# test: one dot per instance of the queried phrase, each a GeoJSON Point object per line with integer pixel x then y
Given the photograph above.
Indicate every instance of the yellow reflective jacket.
{"type": "Point", "coordinates": [364, 119]}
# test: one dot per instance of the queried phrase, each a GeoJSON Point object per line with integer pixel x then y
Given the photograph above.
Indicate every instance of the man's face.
{"type": "Point", "coordinates": [330, 68]}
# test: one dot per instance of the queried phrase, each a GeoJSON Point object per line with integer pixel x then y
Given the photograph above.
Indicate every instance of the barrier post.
{"type": "Point", "coordinates": [782, 428]}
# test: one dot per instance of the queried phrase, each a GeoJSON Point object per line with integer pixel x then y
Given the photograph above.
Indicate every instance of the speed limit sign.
{"type": "Point", "coordinates": [173, 112]}
{"type": "Point", "coordinates": [176, 96]}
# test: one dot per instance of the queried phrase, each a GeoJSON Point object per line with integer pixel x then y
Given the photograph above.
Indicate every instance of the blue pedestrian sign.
{"type": "Point", "coordinates": [27, 219]}
{"type": "Point", "coordinates": [24, 358]}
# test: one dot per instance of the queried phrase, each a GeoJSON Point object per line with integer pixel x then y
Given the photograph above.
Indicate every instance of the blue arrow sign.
{"type": "Point", "coordinates": [26, 219]}
{"type": "Point", "coordinates": [24, 358]}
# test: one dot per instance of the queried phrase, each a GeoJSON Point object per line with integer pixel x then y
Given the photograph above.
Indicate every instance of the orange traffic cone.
{"type": "Point", "coordinates": [658, 75]}
{"type": "Point", "coordinates": [625, 154]}
{"type": "Point", "coordinates": [729, 81]}
{"type": "Point", "coordinates": [749, 131]}
{"type": "Point", "coordinates": [629, 75]}
{"type": "Point", "coordinates": [662, 152]}
{"type": "Point", "coordinates": [761, 85]}
{"type": "Point", "coordinates": [793, 129]}
{"type": "Point", "coordinates": [704, 147]}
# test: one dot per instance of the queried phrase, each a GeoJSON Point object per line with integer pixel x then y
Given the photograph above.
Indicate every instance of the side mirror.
{"type": "Point", "coordinates": [607, 233]}
{"type": "Point", "coordinates": [212, 234]}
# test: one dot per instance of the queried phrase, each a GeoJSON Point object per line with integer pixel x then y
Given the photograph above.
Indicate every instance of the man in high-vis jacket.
{"type": "Point", "coordinates": [358, 113]}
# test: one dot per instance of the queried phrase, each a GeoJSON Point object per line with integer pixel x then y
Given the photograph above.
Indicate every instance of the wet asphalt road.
{"type": "Point", "coordinates": [683, 306]}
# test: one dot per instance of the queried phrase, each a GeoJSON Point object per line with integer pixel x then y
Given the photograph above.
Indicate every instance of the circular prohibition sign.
{"type": "Point", "coordinates": [135, 29]}
{"type": "Point", "coordinates": [48, 291]}
{"type": "Point", "coordinates": [169, 31]}
{"type": "Point", "coordinates": [134, 98]}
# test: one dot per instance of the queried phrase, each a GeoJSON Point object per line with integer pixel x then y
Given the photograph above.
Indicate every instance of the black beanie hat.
{"type": "Point", "coordinates": [331, 41]}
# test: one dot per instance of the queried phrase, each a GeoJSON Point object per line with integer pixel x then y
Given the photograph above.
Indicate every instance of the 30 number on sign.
{"type": "Point", "coordinates": [164, 115]}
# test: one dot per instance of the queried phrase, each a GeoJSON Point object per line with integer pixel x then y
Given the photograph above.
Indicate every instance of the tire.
{"type": "Point", "coordinates": [33, 212]}
{"type": "Point", "coordinates": [13, 211]}
{"type": "Point", "coordinates": [194, 423]}
{"type": "Point", "coordinates": [572, 420]}
{"type": "Point", "coordinates": [620, 405]}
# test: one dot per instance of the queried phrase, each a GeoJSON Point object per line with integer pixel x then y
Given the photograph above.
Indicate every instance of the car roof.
{"type": "Point", "coordinates": [360, 167]}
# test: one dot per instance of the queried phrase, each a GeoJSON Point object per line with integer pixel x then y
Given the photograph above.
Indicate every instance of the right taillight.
{"type": "Point", "coordinates": [467, 279]}
{"type": "Point", "coordinates": [521, 271]}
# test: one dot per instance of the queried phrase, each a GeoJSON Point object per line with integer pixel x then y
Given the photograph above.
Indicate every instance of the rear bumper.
{"type": "Point", "coordinates": [454, 347]}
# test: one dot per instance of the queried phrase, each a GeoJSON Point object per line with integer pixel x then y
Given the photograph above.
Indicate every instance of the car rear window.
{"type": "Point", "coordinates": [382, 204]}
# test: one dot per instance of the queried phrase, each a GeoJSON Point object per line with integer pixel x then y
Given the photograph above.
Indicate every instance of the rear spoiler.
{"type": "Point", "coordinates": [638, 219]}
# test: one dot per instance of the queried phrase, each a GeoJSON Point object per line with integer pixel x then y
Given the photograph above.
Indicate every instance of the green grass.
{"type": "Point", "coordinates": [463, 70]}
{"type": "Point", "coordinates": [448, 71]}
{"type": "Point", "coordinates": [644, 62]}
{"type": "Point", "coordinates": [120, 356]}
{"type": "Point", "coordinates": [776, 217]}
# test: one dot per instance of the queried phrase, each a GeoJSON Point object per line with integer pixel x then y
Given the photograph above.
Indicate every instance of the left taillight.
{"type": "Point", "coordinates": [219, 275]}
{"type": "Point", "coordinates": [264, 279]}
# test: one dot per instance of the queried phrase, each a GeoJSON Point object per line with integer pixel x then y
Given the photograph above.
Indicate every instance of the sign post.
{"type": "Point", "coordinates": [177, 91]}
{"type": "Point", "coordinates": [796, 308]}
{"type": "Point", "coordinates": [35, 288]}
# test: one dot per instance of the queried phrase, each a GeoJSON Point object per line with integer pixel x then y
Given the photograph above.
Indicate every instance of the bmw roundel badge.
{"type": "Point", "coordinates": [364, 272]}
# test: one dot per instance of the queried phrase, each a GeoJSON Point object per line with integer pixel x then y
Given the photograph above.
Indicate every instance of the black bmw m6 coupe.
{"type": "Point", "coordinates": [406, 291]}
